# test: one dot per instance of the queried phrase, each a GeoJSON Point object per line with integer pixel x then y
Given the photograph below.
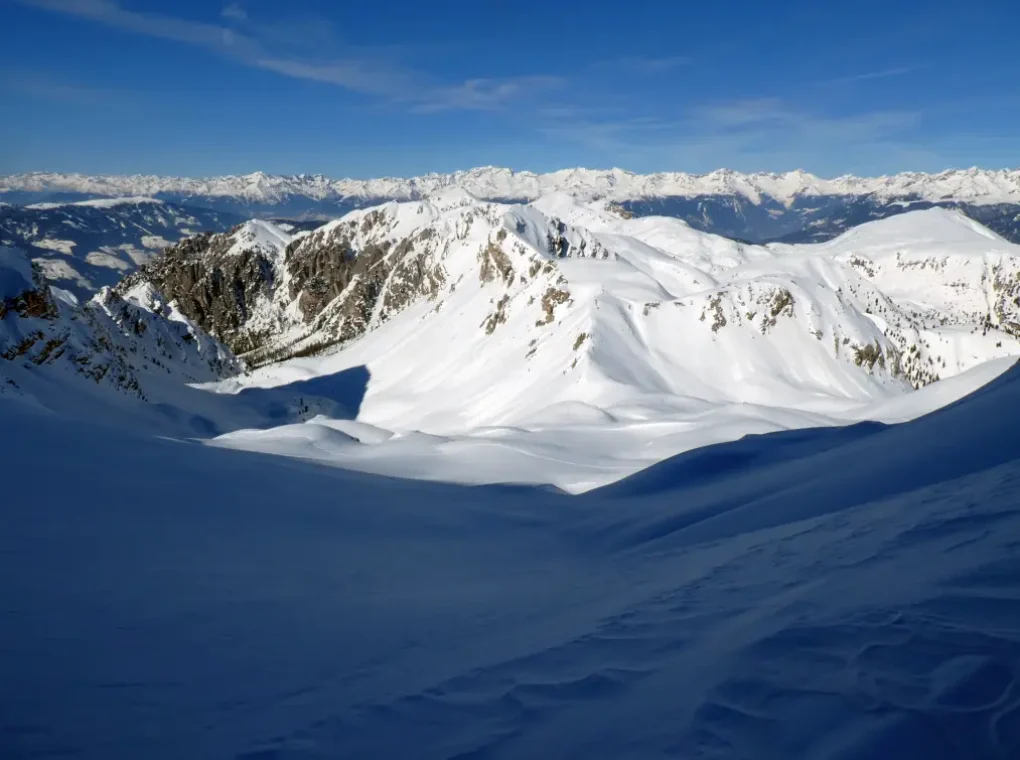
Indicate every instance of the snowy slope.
{"type": "Point", "coordinates": [816, 588]}
{"type": "Point", "coordinates": [511, 343]}
{"type": "Point", "coordinates": [822, 593]}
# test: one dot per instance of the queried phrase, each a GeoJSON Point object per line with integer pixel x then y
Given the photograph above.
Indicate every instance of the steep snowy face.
{"type": "Point", "coordinates": [84, 246]}
{"type": "Point", "coordinates": [115, 340]}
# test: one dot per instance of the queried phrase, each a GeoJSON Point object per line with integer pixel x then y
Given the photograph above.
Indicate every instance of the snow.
{"type": "Point", "coordinates": [60, 246]}
{"type": "Point", "coordinates": [15, 273]}
{"type": "Point", "coordinates": [973, 185]}
{"type": "Point", "coordinates": [97, 203]}
{"type": "Point", "coordinates": [844, 592]}
{"type": "Point", "coordinates": [671, 340]}
{"type": "Point", "coordinates": [155, 242]}
{"type": "Point", "coordinates": [261, 236]}
{"type": "Point", "coordinates": [755, 564]}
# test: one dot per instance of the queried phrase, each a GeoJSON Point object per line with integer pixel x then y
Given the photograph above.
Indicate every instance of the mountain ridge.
{"type": "Point", "coordinates": [496, 183]}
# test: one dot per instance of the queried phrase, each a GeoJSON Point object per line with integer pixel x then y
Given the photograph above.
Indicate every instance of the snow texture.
{"type": "Point", "coordinates": [801, 580]}
{"type": "Point", "coordinates": [826, 593]}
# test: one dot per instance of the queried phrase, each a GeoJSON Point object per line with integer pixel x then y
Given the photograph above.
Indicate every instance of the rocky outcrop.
{"type": "Point", "coordinates": [114, 339]}
{"type": "Point", "coordinates": [316, 289]}
{"type": "Point", "coordinates": [218, 281]}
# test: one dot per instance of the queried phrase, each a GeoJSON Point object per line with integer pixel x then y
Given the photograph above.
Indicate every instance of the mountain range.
{"type": "Point", "coordinates": [795, 206]}
{"type": "Point", "coordinates": [560, 325]}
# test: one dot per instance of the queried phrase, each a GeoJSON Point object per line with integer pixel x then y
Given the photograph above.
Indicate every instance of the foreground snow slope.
{"type": "Point", "coordinates": [827, 593]}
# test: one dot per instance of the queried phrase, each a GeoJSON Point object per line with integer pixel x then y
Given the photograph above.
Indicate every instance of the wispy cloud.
{"type": "Point", "coordinates": [752, 135]}
{"type": "Point", "coordinates": [736, 113]}
{"type": "Point", "coordinates": [234, 12]}
{"type": "Point", "coordinates": [487, 94]}
{"type": "Point", "coordinates": [353, 75]}
{"type": "Point", "coordinates": [643, 65]}
{"type": "Point", "coordinates": [866, 75]}
{"type": "Point", "coordinates": [773, 117]}
{"type": "Point", "coordinates": [278, 47]}
{"type": "Point", "coordinates": [43, 88]}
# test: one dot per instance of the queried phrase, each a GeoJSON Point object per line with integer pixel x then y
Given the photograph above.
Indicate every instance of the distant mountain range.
{"type": "Point", "coordinates": [795, 206]}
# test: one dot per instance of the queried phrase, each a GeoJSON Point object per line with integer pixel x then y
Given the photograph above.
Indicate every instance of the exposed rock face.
{"type": "Point", "coordinates": [319, 289]}
{"type": "Point", "coordinates": [213, 288]}
{"type": "Point", "coordinates": [356, 273]}
{"type": "Point", "coordinates": [30, 303]}
{"type": "Point", "coordinates": [116, 339]}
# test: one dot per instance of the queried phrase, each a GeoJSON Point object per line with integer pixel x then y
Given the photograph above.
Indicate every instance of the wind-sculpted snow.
{"type": "Point", "coordinates": [825, 593]}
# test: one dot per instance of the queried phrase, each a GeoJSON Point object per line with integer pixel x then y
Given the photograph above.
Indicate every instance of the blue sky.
{"type": "Point", "coordinates": [197, 87]}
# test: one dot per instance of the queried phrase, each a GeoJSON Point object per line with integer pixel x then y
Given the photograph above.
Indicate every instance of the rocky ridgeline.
{"type": "Point", "coordinates": [269, 296]}
{"type": "Point", "coordinates": [115, 339]}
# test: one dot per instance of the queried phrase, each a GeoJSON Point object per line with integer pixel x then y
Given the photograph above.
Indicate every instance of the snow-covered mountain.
{"type": "Point", "coordinates": [85, 245]}
{"type": "Point", "coordinates": [560, 341]}
{"type": "Point", "coordinates": [469, 315]}
{"type": "Point", "coordinates": [755, 207]}
{"type": "Point", "coordinates": [971, 185]}
{"type": "Point", "coordinates": [123, 343]}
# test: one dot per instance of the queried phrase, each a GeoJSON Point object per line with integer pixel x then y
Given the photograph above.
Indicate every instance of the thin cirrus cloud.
{"type": "Point", "coordinates": [865, 76]}
{"type": "Point", "coordinates": [487, 94]}
{"type": "Point", "coordinates": [631, 64]}
{"type": "Point", "coordinates": [751, 135]}
{"type": "Point", "coordinates": [773, 114]}
{"type": "Point", "coordinates": [243, 41]}
{"type": "Point", "coordinates": [42, 88]}
{"type": "Point", "coordinates": [234, 12]}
